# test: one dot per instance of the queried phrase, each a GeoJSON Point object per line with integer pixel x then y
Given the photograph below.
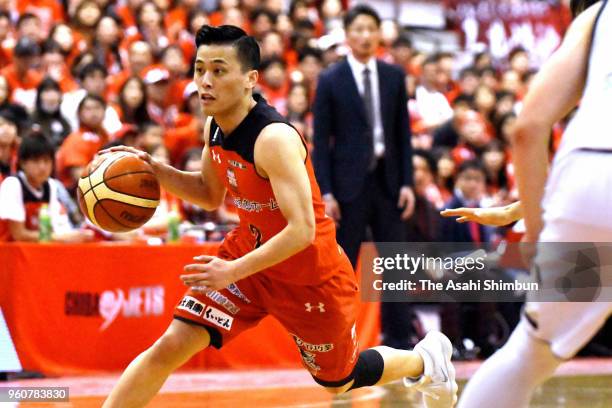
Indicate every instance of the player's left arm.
{"type": "Point", "coordinates": [556, 90]}
{"type": "Point", "coordinates": [279, 156]}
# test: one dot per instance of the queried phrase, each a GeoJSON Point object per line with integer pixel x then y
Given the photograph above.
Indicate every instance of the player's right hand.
{"type": "Point", "coordinates": [495, 216]}
{"type": "Point", "coordinates": [332, 208]}
{"type": "Point", "coordinates": [142, 155]}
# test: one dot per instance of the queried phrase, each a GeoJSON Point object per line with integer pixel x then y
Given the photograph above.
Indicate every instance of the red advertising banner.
{"type": "Point", "coordinates": [501, 25]}
{"type": "Point", "coordinates": [75, 309]}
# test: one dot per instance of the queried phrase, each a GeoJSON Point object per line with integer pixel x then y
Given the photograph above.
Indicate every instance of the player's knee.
{"type": "Point", "coordinates": [367, 371]}
{"type": "Point", "coordinates": [167, 351]}
{"type": "Point", "coordinates": [339, 390]}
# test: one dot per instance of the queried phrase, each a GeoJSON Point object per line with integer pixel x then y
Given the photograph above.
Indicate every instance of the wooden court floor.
{"type": "Point", "coordinates": [580, 383]}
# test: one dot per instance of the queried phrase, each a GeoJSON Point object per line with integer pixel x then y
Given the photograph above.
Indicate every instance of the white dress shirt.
{"type": "Point", "coordinates": [357, 68]}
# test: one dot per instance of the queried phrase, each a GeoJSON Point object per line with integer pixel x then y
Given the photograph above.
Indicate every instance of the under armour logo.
{"type": "Point", "coordinates": [216, 157]}
{"type": "Point", "coordinates": [309, 307]}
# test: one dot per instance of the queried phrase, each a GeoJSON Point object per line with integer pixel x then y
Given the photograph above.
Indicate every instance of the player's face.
{"type": "Point", "coordinates": [221, 81]}
{"type": "Point", "coordinates": [363, 36]}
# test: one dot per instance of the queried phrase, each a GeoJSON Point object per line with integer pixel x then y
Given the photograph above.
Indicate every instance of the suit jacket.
{"type": "Point", "coordinates": [342, 139]}
{"type": "Point", "coordinates": [452, 231]}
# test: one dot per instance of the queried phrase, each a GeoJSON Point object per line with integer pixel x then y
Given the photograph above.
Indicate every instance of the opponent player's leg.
{"type": "Point", "coordinates": [508, 378]}
{"type": "Point", "coordinates": [147, 373]}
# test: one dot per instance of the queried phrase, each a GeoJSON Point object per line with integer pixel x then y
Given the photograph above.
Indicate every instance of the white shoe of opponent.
{"type": "Point", "coordinates": [437, 383]}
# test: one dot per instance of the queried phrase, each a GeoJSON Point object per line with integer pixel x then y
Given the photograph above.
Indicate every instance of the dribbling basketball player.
{"type": "Point", "coordinates": [282, 260]}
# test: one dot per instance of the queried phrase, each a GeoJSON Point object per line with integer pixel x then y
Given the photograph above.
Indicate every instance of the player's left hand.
{"type": "Point", "coordinates": [211, 273]}
{"type": "Point", "coordinates": [406, 201]}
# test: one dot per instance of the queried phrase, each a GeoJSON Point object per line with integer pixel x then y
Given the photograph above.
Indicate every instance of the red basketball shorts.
{"type": "Point", "coordinates": [320, 319]}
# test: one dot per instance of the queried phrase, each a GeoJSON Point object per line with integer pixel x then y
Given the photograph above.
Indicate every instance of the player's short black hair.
{"type": "Point", "coordinates": [246, 47]}
{"type": "Point", "coordinates": [358, 10]}
{"type": "Point", "coordinates": [34, 146]}
{"type": "Point", "coordinates": [578, 6]}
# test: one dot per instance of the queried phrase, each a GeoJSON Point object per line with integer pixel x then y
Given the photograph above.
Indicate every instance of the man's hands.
{"type": "Point", "coordinates": [406, 201]}
{"type": "Point", "coordinates": [211, 273]}
{"type": "Point", "coordinates": [332, 208]}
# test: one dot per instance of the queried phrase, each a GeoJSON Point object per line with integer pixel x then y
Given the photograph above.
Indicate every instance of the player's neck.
{"type": "Point", "coordinates": [229, 121]}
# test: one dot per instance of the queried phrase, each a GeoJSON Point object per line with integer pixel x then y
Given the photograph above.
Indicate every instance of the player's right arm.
{"type": "Point", "coordinates": [495, 216]}
{"type": "Point", "coordinates": [201, 188]}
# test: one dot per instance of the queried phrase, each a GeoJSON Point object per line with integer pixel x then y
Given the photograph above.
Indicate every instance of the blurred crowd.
{"type": "Point", "coordinates": [85, 74]}
{"type": "Point", "coordinates": [80, 75]}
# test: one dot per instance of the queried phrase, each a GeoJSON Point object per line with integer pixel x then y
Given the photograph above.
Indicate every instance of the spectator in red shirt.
{"type": "Point", "coordinates": [22, 76]}
{"type": "Point", "coordinates": [81, 146]}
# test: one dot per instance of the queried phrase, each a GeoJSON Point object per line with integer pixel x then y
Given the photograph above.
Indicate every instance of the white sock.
{"type": "Point", "coordinates": [509, 377]}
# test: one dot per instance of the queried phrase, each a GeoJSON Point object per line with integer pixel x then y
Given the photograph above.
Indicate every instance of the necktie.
{"type": "Point", "coordinates": [368, 103]}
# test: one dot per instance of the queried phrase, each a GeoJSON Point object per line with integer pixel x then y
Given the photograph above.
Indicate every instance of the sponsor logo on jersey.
{"type": "Point", "coordinates": [237, 164]}
{"type": "Point", "coordinates": [320, 307]}
{"type": "Point", "coordinates": [218, 318]}
{"type": "Point", "coordinates": [223, 301]}
{"type": "Point", "coordinates": [234, 290]}
{"type": "Point", "coordinates": [254, 206]}
{"type": "Point", "coordinates": [318, 348]}
{"type": "Point", "coordinates": [231, 178]}
{"type": "Point", "coordinates": [191, 305]}
{"type": "Point", "coordinates": [309, 361]}
{"type": "Point", "coordinates": [216, 156]}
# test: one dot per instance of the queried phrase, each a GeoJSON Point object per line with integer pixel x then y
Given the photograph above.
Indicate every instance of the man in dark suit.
{"type": "Point", "coordinates": [362, 151]}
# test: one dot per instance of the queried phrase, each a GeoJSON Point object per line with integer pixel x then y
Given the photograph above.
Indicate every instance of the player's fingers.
{"type": "Point", "coordinates": [204, 258]}
{"type": "Point", "coordinates": [454, 212]}
{"type": "Point", "coordinates": [463, 219]}
{"type": "Point", "coordinates": [115, 149]}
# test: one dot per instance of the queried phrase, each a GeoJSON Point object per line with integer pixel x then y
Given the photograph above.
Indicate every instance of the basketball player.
{"type": "Point", "coordinates": [575, 206]}
{"type": "Point", "coordinates": [282, 260]}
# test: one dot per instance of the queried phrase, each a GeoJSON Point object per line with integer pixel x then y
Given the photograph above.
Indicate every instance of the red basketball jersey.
{"type": "Point", "coordinates": [260, 216]}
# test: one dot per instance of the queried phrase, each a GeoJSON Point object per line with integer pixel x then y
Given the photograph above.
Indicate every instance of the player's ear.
{"type": "Point", "coordinates": [252, 78]}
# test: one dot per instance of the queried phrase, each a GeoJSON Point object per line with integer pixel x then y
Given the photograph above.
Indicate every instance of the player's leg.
{"type": "Point", "coordinates": [147, 373]}
{"type": "Point", "coordinates": [321, 320]}
{"type": "Point", "coordinates": [542, 340]}
{"type": "Point", "coordinates": [427, 368]}
{"type": "Point", "coordinates": [508, 378]}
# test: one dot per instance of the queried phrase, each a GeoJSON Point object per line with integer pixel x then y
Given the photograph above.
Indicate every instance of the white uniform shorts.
{"type": "Point", "coordinates": [578, 209]}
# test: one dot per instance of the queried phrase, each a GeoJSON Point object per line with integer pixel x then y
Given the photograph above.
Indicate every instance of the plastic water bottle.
{"type": "Point", "coordinates": [173, 225]}
{"type": "Point", "coordinates": [44, 224]}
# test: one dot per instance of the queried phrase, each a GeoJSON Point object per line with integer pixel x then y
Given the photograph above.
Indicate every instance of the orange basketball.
{"type": "Point", "coordinates": [118, 192]}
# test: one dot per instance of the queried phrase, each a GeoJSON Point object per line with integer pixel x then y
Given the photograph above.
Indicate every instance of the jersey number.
{"type": "Point", "coordinates": [257, 234]}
